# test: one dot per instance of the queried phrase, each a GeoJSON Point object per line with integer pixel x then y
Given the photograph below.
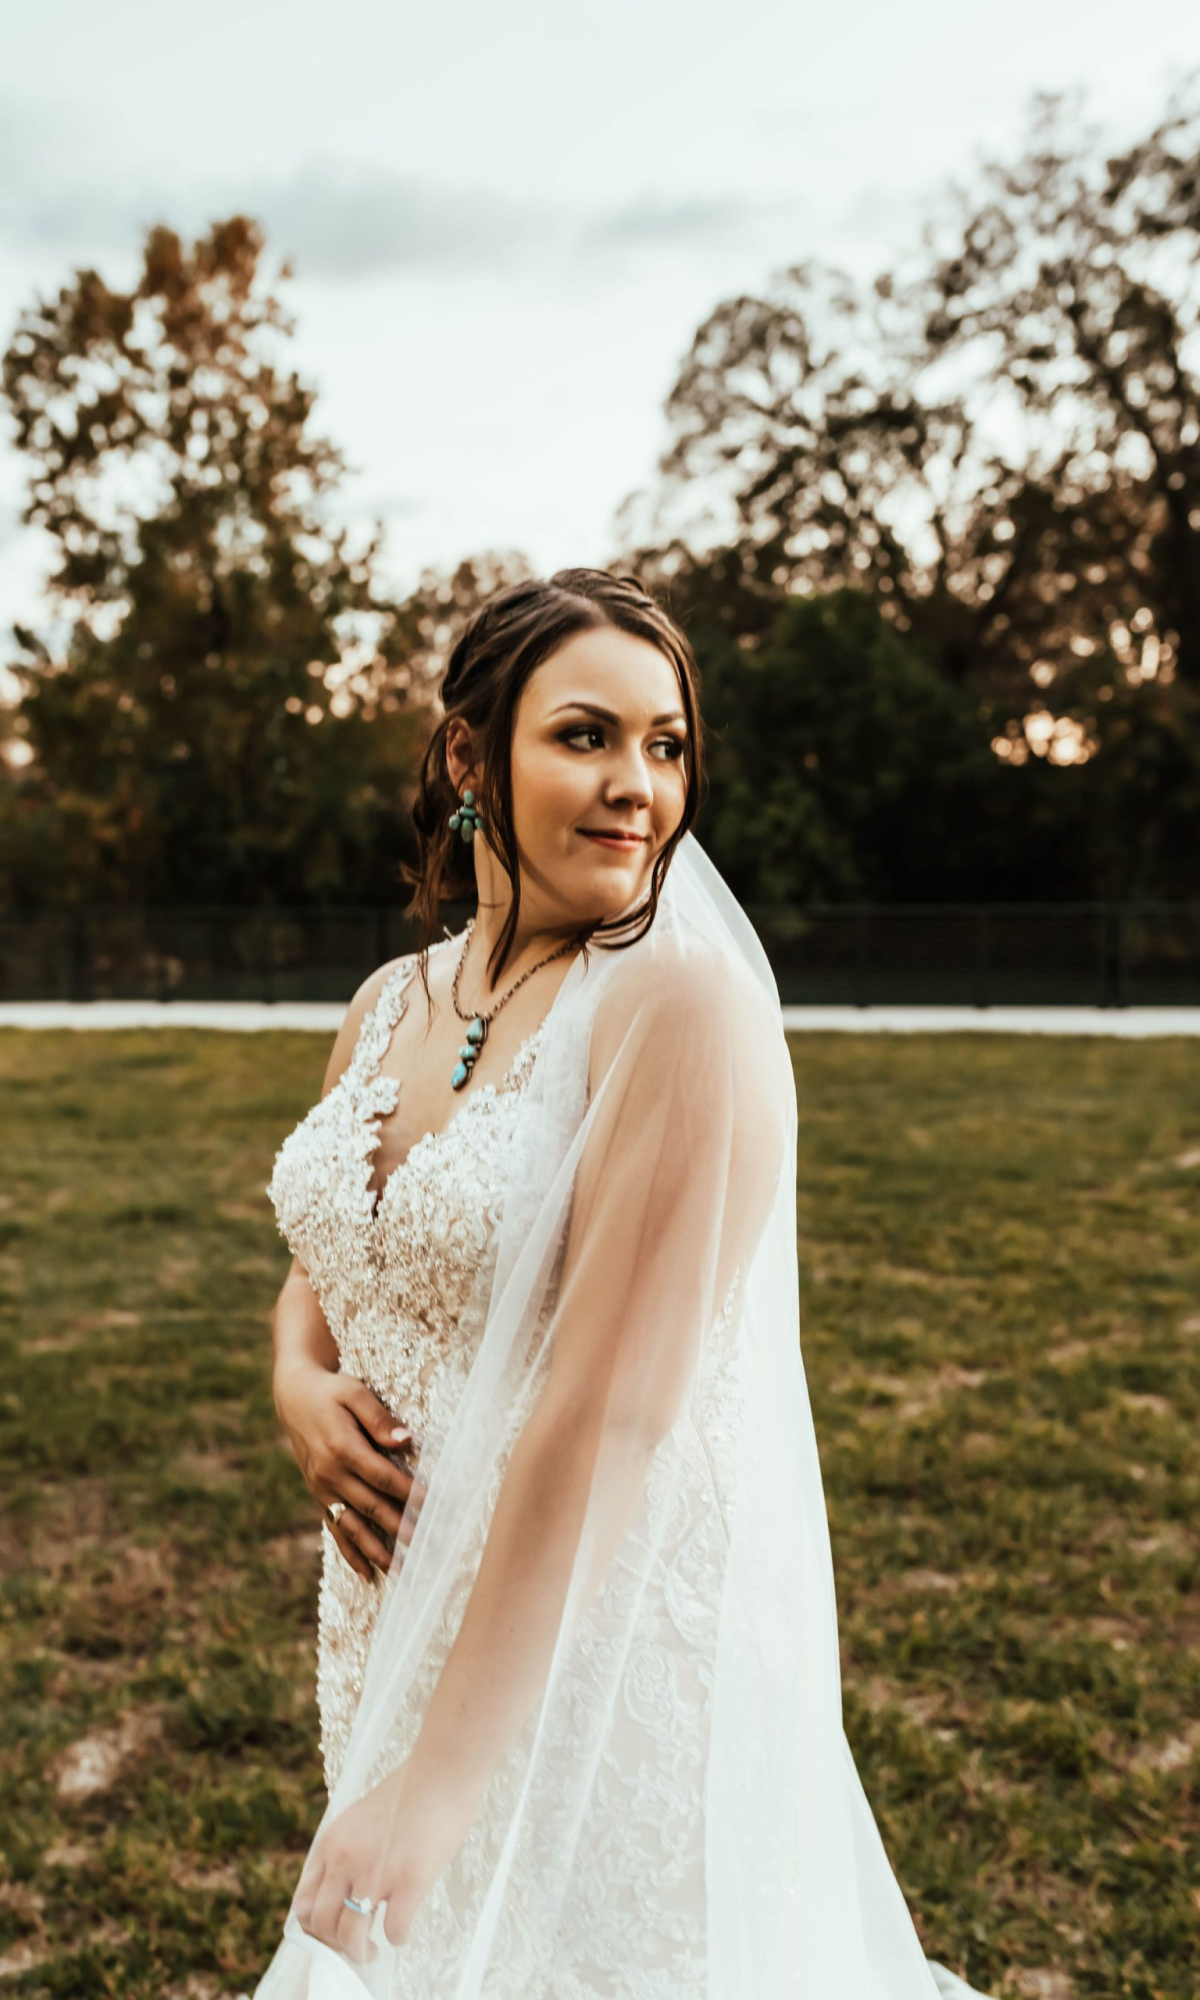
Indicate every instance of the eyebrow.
{"type": "Point", "coordinates": [606, 714]}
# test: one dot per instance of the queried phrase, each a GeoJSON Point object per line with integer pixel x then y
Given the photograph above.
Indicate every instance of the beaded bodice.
{"type": "Point", "coordinates": [412, 1259]}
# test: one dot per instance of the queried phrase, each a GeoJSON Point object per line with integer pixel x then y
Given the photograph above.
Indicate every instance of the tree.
{"type": "Point", "coordinates": [1076, 274]}
{"type": "Point", "coordinates": [1003, 451]}
{"type": "Point", "coordinates": [843, 765]}
{"type": "Point", "coordinates": [228, 715]}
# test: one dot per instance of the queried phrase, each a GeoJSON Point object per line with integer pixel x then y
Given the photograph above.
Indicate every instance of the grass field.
{"type": "Point", "coordinates": [1000, 1287]}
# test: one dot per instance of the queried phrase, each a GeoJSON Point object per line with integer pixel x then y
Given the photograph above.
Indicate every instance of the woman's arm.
{"type": "Point", "coordinates": [688, 1132]}
{"type": "Point", "coordinates": [334, 1424]}
{"type": "Point", "coordinates": [333, 1421]}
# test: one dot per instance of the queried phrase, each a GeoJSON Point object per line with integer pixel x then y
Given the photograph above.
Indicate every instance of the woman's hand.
{"type": "Point", "coordinates": [390, 1846]}
{"type": "Point", "coordinates": [340, 1431]}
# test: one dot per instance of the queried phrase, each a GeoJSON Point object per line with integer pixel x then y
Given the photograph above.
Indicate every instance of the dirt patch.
{"type": "Point", "coordinates": [102, 1322]}
{"type": "Point", "coordinates": [1142, 1399]}
{"type": "Point", "coordinates": [224, 1877]}
{"type": "Point", "coordinates": [95, 1762]}
{"type": "Point", "coordinates": [66, 1854]}
{"type": "Point", "coordinates": [925, 1395]}
{"type": "Point", "coordinates": [22, 1958]}
{"type": "Point", "coordinates": [929, 1579]}
{"type": "Point", "coordinates": [1171, 1755]}
{"type": "Point", "coordinates": [1117, 1631]}
{"type": "Point", "coordinates": [1043, 1983]}
{"type": "Point", "coordinates": [301, 1541]}
{"type": "Point", "coordinates": [1068, 1350]}
{"type": "Point", "coordinates": [210, 1465]}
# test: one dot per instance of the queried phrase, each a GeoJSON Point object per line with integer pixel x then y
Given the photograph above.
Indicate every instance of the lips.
{"type": "Point", "coordinates": [614, 840]}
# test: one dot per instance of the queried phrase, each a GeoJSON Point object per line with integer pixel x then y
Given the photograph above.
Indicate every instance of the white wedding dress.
{"type": "Point", "coordinates": [396, 1280]}
{"type": "Point", "coordinates": [392, 1281]}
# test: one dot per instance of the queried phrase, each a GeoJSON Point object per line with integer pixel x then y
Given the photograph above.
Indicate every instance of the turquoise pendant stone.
{"type": "Point", "coordinates": [468, 1052]}
{"type": "Point", "coordinates": [460, 1076]}
{"type": "Point", "coordinates": [475, 1030]}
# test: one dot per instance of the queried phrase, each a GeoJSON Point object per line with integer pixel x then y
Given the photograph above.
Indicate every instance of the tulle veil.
{"type": "Point", "coordinates": [646, 1263]}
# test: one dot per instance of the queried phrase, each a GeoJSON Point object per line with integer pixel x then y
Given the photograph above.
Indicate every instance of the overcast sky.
{"type": "Point", "coordinates": [508, 221]}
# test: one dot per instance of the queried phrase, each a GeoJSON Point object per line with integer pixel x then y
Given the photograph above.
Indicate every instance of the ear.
{"type": "Point", "coordinates": [460, 754]}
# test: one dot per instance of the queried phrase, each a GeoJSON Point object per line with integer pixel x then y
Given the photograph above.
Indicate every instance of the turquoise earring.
{"type": "Point", "coordinates": [465, 819]}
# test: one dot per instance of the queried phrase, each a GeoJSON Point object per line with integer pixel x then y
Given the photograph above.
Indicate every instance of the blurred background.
{"type": "Point", "coordinates": [869, 338]}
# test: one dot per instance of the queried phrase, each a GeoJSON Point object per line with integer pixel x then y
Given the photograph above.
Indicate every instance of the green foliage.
{"type": "Point", "coordinates": [1002, 450]}
{"type": "Point", "coordinates": [225, 718]}
{"type": "Point", "coordinates": [842, 764]}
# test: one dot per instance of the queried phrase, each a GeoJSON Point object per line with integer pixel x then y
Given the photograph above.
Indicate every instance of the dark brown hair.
{"type": "Point", "coordinates": [505, 639]}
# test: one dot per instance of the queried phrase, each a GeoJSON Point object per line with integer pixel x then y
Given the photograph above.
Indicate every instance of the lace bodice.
{"type": "Point", "coordinates": [399, 1285]}
{"type": "Point", "coordinates": [411, 1260]}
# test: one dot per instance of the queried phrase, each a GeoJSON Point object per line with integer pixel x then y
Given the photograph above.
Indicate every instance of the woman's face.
{"type": "Point", "coordinates": [599, 744]}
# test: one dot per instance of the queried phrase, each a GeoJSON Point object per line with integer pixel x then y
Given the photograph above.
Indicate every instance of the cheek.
{"type": "Point", "coordinates": [548, 791]}
{"type": "Point", "coordinates": [670, 791]}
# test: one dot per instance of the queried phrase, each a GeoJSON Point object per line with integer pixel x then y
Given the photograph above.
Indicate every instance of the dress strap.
{"type": "Point", "coordinates": [380, 1020]}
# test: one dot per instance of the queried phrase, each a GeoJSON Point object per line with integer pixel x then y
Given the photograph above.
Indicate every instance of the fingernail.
{"type": "Point", "coordinates": [401, 1434]}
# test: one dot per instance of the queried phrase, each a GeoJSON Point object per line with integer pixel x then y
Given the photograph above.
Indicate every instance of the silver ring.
{"type": "Point", "coordinates": [334, 1512]}
{"type": "Point", "coordinates": [363, 1906]}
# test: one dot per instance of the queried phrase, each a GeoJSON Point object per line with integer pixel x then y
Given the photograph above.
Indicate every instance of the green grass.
{"type": "Point", "coordinates": [1000, 1290]}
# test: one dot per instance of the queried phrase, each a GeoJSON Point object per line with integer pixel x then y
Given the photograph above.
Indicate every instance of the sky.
{"type": "Point", "coordinates": [507, 223]}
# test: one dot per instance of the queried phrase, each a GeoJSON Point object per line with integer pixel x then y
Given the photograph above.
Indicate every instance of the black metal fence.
{"type": "Point", "coordinates": [1112, 955]}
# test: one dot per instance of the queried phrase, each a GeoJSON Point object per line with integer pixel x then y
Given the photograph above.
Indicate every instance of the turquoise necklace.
{"type": "Point", "coordinates": [478, 1024]}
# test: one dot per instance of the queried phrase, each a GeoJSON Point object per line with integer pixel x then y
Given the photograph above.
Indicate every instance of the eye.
{"type": "Point", "coordinates": [676, 745]}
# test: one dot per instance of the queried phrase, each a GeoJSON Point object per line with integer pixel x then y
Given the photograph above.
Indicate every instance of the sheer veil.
{"type": "Point", "coordinates": [643, 1299]}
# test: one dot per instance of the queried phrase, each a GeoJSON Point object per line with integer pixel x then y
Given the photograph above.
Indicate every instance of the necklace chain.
{"type": "Point", "coordinates": [479, 1022]}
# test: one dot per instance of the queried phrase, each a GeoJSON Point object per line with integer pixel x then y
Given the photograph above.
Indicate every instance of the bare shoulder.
{"type": "Point", "coordinates": [356, 1013]}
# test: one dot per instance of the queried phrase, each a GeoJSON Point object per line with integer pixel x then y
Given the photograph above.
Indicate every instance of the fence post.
{"type": "Point", "coordinates": [982, 957]}
{"type": "Point", "coordinates": [268, 957]}
{"type": "Point", "coordinates": [861, 955]}
{"type": "Point", "coordinates": [1111, 968]}
{"type": "Point", "coordinates": [161, 992]}
{"type": "Point", "coordinates": [79, 981]}
{"type": "Point", "coordinates": [1119, 940]}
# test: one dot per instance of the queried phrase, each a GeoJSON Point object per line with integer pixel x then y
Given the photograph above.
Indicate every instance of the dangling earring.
{"type": "Point", "coordinates": [465, 819]}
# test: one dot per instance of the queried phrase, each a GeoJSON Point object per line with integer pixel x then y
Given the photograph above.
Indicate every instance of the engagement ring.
{"type": "Point", "coordinates": [363, 1906]}
{"type": "Point", "coordinates": [334, 1512]}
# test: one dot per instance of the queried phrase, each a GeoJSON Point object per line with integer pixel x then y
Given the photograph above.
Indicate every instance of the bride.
{"type": "Point", "coordinates": [538, 1357]}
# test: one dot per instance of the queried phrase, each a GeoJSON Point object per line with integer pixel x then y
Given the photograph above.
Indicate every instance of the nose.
{"type": "Point", "coordinates": [631, 779]}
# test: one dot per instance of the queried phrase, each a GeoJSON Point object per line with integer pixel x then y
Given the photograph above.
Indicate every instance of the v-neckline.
{"type": "Point", "coordinates": [394, 990]}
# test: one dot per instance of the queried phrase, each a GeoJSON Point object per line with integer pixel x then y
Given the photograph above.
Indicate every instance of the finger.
{"type": "Point", "coordinates": [352, 1934]}
{"type": "Point", "coordinates": [373, 1414]}
{"type": "Point", "coordinates": [349, 1551]}
{"type": "Point", "coordinates": [383, 1514]}
{"type": "Point", "coordinates": [328, 1906]}
{"type": "Point", "coordinates": [396, 1919]}
{"type": "Point", "coordinates": [365, 1540]}
{"type": "Point", "coordinates": [306, 1890]}
{"type": "Point", "coordinates": [371, 1464]}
